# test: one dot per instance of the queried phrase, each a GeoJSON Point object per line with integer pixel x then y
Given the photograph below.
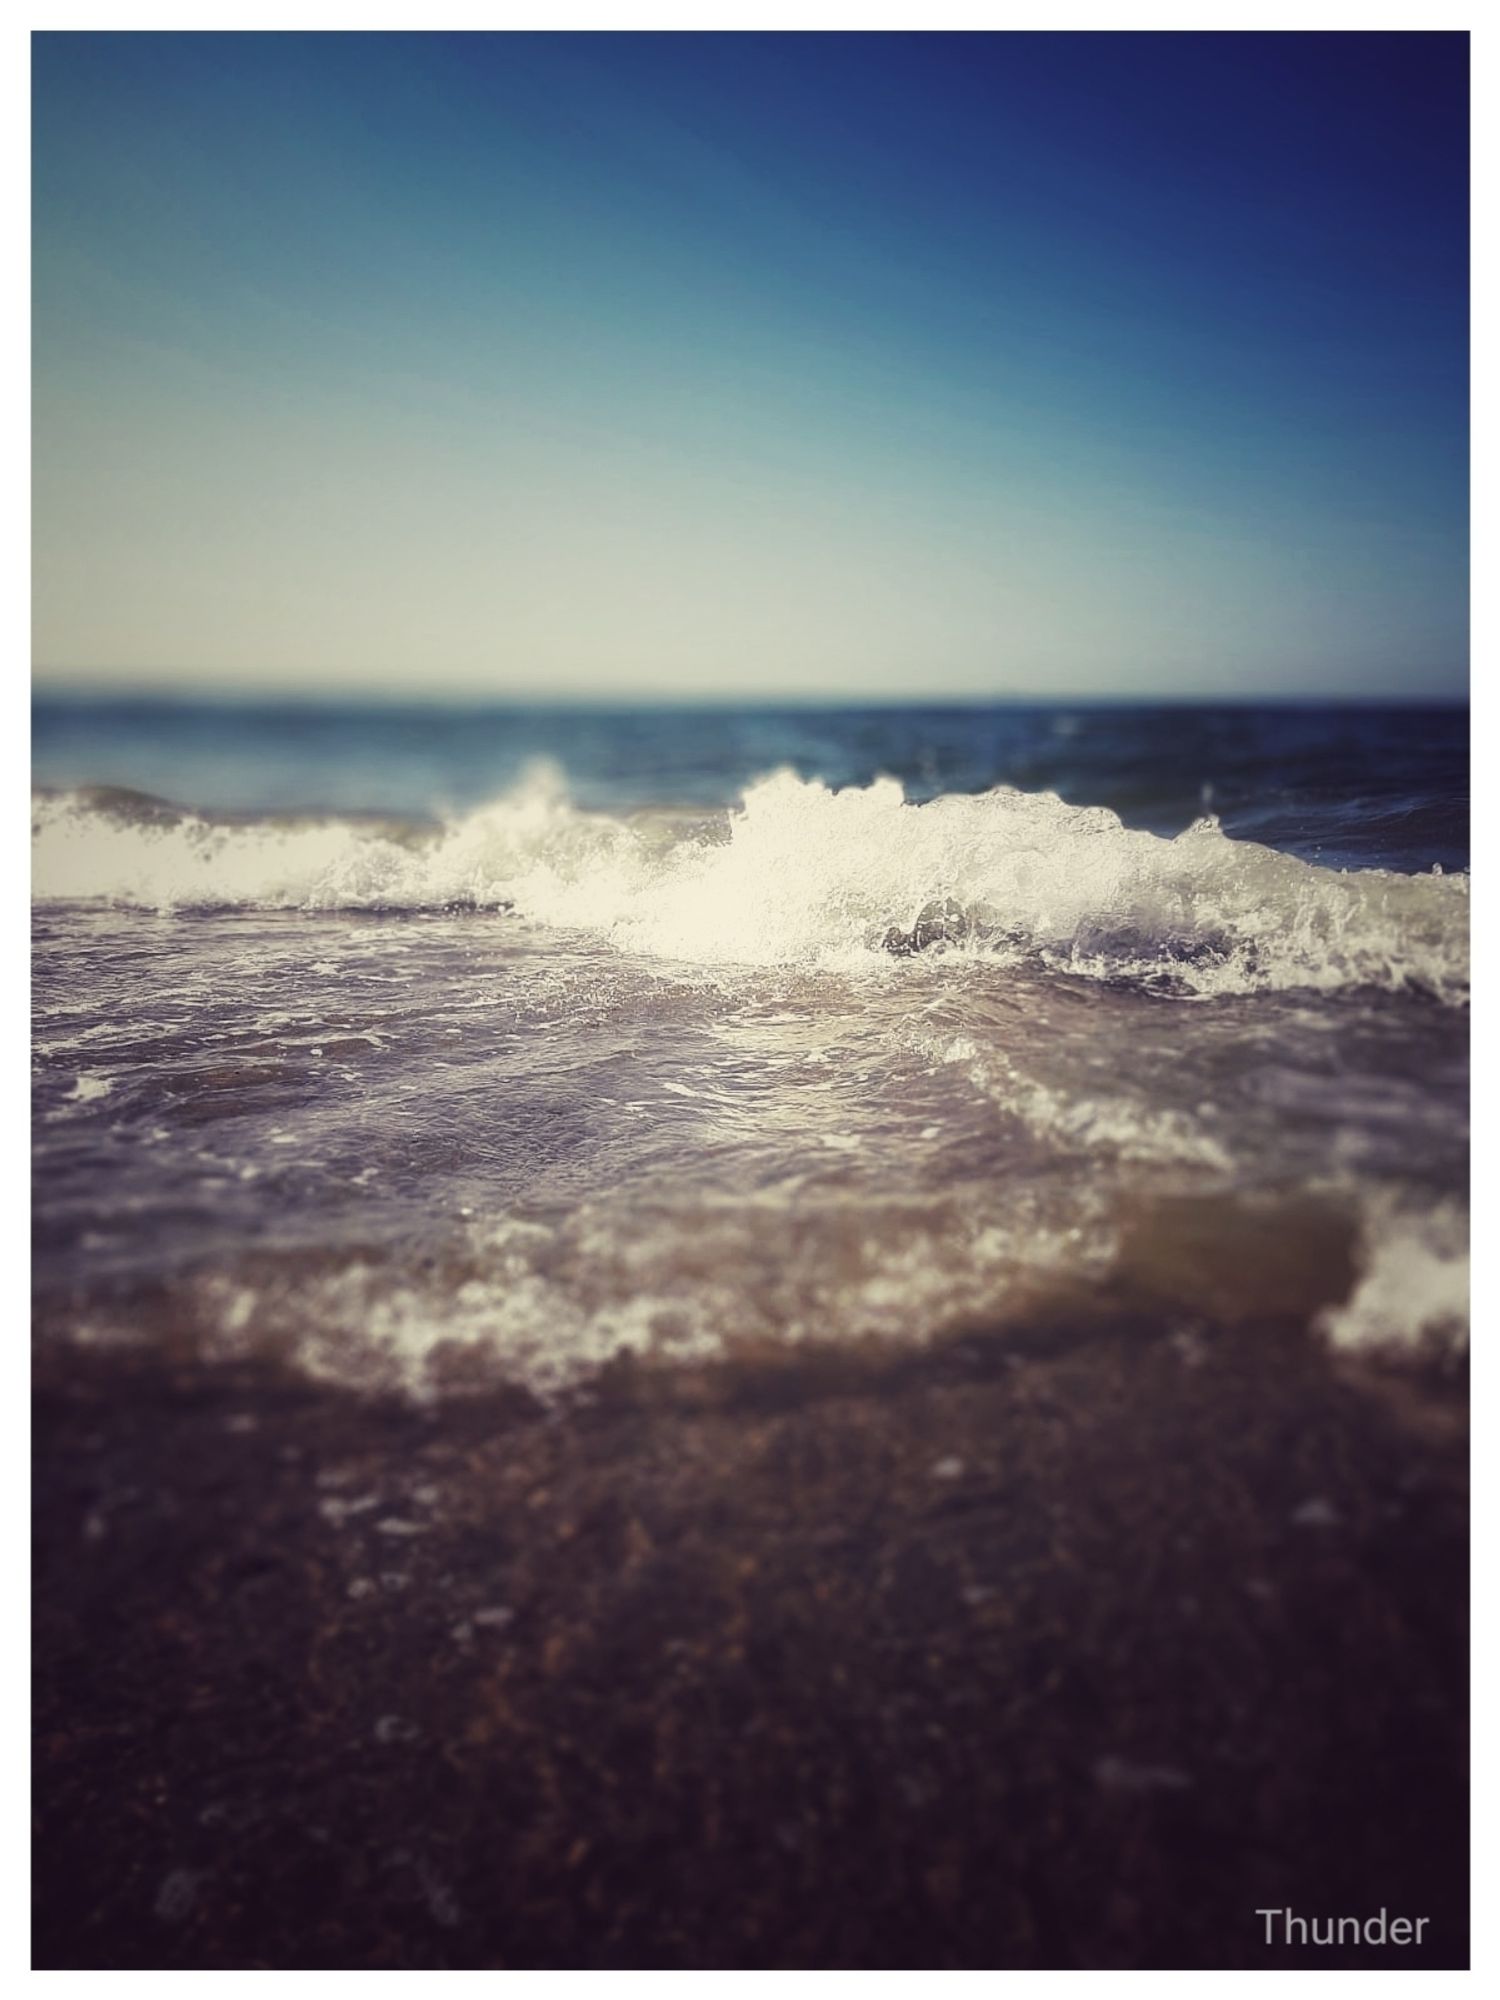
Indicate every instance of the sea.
{"type": "Point", "coordinates": [427, 1048]}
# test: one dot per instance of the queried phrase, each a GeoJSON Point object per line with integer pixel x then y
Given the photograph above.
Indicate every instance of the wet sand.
{"type": "Point", "coordinates": [986, 1658]}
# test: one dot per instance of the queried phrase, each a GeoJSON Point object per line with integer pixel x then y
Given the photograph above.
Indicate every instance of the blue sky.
{"type": "Point", "coordinates": [850, 365]}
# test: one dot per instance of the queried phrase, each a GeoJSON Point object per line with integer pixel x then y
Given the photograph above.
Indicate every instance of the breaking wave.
{"type": "Point", "coordinates": [801, 873]}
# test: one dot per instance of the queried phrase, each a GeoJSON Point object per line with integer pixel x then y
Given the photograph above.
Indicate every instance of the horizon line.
{"type": "Point", "coordinates": [84, 689]}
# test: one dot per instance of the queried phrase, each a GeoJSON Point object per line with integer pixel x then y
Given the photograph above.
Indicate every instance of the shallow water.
{"type": "Point", "coordinates": [440, 1047]}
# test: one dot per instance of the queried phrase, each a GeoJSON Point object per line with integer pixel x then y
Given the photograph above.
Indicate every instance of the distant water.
{"type": "Point", "coordinates": [1346, 787]}
{"type": "Point", "coordinates": [433, 1046]}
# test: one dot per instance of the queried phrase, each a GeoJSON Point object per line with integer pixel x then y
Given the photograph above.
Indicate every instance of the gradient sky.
{"type": "Point", "coordinates": [851, 365]}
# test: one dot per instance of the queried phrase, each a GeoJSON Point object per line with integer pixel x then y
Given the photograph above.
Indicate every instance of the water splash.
{"type": "Point", "coordinates": [801, 873]}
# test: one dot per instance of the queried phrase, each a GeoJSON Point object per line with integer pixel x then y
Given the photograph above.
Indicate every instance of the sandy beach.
{"type": "Point", "coordinates": [1075, 1656]}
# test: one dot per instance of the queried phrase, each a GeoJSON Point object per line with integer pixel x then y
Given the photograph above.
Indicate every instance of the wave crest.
{"type": "Point", "coordinates": [800, 873]}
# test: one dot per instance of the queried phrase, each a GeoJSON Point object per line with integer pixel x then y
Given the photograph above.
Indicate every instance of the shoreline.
{"type": "Point", "coordinates": [1006, 1653]}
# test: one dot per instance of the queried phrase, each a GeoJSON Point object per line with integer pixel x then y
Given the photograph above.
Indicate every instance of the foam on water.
{"type": "Point", "coordinates": [547, 1304]}
{"type": "Point", "coordinates": [801, 873]}
{"type": "Point", "coordinates": [1100, 1121]}
{"type": "Point", "coordinates": [1413, 1289]}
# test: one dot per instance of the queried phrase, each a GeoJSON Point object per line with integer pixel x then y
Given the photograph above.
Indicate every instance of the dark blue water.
{"type": "Point", "coordinates": [1342, 786]}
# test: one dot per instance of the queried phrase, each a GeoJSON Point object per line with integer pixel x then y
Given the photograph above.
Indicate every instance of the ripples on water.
{"type": "Point", "coordinates": [656, 1055]}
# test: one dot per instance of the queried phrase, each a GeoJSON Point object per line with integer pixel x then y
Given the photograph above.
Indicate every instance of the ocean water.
{"type": "Point", "coordinates": [430, 1048]}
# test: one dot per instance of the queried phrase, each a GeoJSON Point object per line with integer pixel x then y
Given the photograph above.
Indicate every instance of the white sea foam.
{"type": "Point", "coordinates": [1092, 1121]}
{"type": "Point", "coordinates": [549, 1304]}
{"type": "Point", "coordinates": [802, 873]}
{"type": "Point", "coordinates": [1413, 1289]}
